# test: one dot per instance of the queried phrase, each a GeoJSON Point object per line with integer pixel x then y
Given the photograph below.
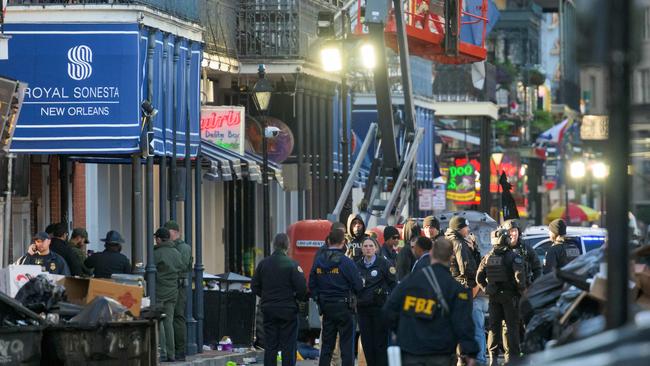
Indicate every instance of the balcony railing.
{"type": "Point", "coordinates": [185, 9]}
{"type": "Point", "coordinates": [278, 28]}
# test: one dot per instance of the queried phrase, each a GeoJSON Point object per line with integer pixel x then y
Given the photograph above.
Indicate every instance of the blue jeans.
{"type": "Point", "coordinates": [479, 309]}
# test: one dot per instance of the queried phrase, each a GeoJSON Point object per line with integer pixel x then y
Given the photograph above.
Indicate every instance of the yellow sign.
{"type": "Point", "coordinates": [461, 196]}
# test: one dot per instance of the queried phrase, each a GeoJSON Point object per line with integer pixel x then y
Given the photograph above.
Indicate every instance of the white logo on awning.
{"type": "Point", "coordinates": [79, 65]}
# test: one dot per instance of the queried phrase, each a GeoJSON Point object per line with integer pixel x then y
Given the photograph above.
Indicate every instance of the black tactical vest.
{"type": "Point", "coordinates": [496, 268]}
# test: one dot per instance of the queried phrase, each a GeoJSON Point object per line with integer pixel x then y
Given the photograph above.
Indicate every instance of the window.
{"type": "Point", "coordinates": [646, 24]}
{"type": "Point", "coordinates": [645, 86]}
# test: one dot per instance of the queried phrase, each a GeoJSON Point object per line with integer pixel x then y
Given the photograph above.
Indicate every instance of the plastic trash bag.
{"type": "Point", "coordinates": [40, 294]}
{"type": "Point", "coordinates": [102, 310]}
{"type": "Point", "coordinates": [13, 313]}
{"type": "Point", "coordinates": [539, 330]}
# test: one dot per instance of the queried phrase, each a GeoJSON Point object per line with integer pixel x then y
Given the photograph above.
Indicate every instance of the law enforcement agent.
{"type": "Point", "coordinates": [391, 240]}
{"type": "Point", "coordinates": [180, 326]}
{"type": "Point", "coordinates": [78, 241]}
{"type": "Point", "coordinates": [421, 251]}
{"type": "Point", "coordinates": [280, 283]}
{"type": "Point", "coordinates": [501, 275]}
{"type": "Point", "coordinates": [333, 282]}
{"type": "Point", "coordinates": [466, 259]}
{"type": "Point", "coordinates": [110, 261]}
{"type": "Point", "coordinates": [40, 254]}
{"type": "Point", "coordinates": [431, 226]}
{"type": "Point", "coordinates": [168, 266]}
{"type": "Point", "coordinates": [379, 279]}
{"type": "Point", "coordinates": [431, 314]}
{"type": "Point", "coordinates": [562, 251]}
{"type": "Point", "coordinates": [532, 264]}
{"type": "Point", "coordinates": [356, 233]}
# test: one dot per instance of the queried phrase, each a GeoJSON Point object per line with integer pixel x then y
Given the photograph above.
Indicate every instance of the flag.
{"type": "Point", "coordinates": [471, 30]}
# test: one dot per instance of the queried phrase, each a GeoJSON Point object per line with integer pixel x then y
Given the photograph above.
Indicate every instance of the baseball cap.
{"type": "Point", "coordinates": [40, 236]}
{"type": "Point", "coordinates": [162, 233]}
{"type": "Point", "coordinates": [172, 225]}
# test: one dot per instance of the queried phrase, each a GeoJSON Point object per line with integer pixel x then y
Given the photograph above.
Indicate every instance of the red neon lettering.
{"type": "Point", "coordinates": [217, 119]}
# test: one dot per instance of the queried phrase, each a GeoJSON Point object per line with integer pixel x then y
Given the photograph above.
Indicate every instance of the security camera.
{"type": "Point", "coordinates": [271, 131]}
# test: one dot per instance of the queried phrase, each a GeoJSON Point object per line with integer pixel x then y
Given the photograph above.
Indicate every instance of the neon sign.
{"type": "Point", "coordinates": [461, 185]}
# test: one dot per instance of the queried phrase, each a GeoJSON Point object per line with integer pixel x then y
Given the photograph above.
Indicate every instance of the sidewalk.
{"type": "Point", "coordinates": [220, 358]}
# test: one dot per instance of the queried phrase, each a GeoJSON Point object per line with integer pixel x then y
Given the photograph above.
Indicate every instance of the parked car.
{"type": "Point", "coordinates": [590, 238]}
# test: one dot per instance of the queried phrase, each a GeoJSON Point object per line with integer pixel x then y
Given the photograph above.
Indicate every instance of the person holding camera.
{"type": "Point", "coordinates": [378, 276]}
{"type": "Point", "coordinates": [502, 276]}
{"type": "Point", "coordinates": [333, 283]}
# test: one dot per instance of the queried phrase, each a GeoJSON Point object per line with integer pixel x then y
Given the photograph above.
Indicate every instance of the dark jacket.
{"type": "Point", "coordinates": [422, 262]}
{"type": "Point", "coordinates": [506, 263]}
{"type": "Point", "coordinates": [168, 266]}
{"type": "Point", "coordinates": [559, 254]}
{"type": "Point", "coordinates": [355, 241]}
{"type": "Point", "coordinates": [422, 328]}
{"type": "Point", "coordinates": [61, 248]}
{"type": "Point", "coordinates": [533, 265]}
{"type": "Point", "coordinates": [108, 262]}
{"type": "Point", "coordinates": [52, 263]}
{"type": "Point", "coordinates": [378, 281]}
{"type": "Point", "coordinates": [465, 261]}
{"type": "Point", "coordinates": [334, 277]}
{"type": "Point", "coordinates": [279, 282]}
{"type": "Point", "coordinates": [404, 261]}
{"type": "Point", "coordinates": [186, 255]}
{"type": "Point", "coordinates": [388, 254]}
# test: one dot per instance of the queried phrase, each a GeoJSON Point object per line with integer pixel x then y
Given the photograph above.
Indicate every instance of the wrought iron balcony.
{"type": "Point", "coordinates": [278, 28]}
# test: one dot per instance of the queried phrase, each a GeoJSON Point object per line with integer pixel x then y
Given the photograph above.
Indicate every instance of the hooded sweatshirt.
{"type": "Point", "coordinates": [355, 240]}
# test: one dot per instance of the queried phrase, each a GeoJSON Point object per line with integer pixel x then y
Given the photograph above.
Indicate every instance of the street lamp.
{"type": "Point", "coordinates": [331, 58]}
{"type": "Point", "coordinates": [497, 157]}
{"type": "Point", "coordinates": [262, 98]}
{"type": "Point", "coordinates": [367, 55]}
{"type": "Point", "coordinates": [577, 169]}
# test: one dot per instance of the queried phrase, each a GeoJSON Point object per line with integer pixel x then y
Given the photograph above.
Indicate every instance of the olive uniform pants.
{"type": "Point", "coordinates": [180, 327]}
{"type": "Point", "coordinates": [167, 329]}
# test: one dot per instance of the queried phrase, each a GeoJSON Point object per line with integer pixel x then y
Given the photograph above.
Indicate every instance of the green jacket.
{"type": "Point", "coordinates": [186, 255]}
{"type": "Point", "coordinates": [168, 266]}
{"type": "Point", "coordinates": [82, 257]}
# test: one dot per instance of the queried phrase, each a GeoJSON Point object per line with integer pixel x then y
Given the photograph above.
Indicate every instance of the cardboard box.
{"type": "Point", "coordinates": [14, 277]}
{"type": "Point", "coordinates": [83, 290]}
{"type": "Point", "coordinates": [598, 288]}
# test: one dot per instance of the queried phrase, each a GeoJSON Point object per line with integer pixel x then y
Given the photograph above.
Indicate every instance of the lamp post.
{"type": "Point", "coordinates": [497, 156]}
{"type": "Point", "coordinates": [600, 171]}
{"type": "Point", "coordinates": [262, 98]}
{"type": "Point", "coordinates": [577, 171]}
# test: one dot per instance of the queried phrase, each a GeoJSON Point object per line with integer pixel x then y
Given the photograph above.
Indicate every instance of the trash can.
{"type": "Point", "coordinates": [115, 343]}
{"type": "Point", "coordinates": [20, 345]}
{"type": "Point", "coordinates": [231, 312]}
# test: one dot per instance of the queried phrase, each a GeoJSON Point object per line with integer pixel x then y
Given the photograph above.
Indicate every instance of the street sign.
{"type": "Point", "coordinates": [425, 199]}
{"type": "Point", "coordinates": [439, 197]}
{"type": "Point", "coordinates": [594, 128]}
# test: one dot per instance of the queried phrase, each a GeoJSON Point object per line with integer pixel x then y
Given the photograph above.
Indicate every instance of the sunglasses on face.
{"type": "Point", "coordinates": [396, 237]}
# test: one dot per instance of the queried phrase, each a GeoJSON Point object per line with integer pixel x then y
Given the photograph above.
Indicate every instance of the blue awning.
{"type": "Point", "coordinates": [86, 82]}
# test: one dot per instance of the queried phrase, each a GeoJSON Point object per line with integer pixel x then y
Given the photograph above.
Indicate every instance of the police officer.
{"type": "Point", "coordinates": [421, 251]}
{"type": "Point", "coordinates": [356, 233]}
{"type": "Point", "coordinates": [502, 276]}
{"type": "Point", "coordinates": [39, 253]}
{"type": "Point", "coordinates": [180, 330]}
{"type": "Point", "coordinates": [378, 276]}
{"type": "Point", "coordinates": [391, 240]}
{"type": "Point", "coordinates": [168, 266]}
{"type": "Point", "coordinates": [532, 264]}
{"type": "Point", "coordinates": [110, 260]}
{"type": "Point", "coordinates": [562, 251]}
{"type": "Point", "coordinates": [431, 313]}
{"type": "Point", "coordinates": [333, 282]}
{"type": "Point", "coordinates": [279, 282]}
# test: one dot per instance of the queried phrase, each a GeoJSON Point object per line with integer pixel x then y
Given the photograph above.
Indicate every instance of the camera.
{"type": "Point", "coordinates": [271, 131]}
